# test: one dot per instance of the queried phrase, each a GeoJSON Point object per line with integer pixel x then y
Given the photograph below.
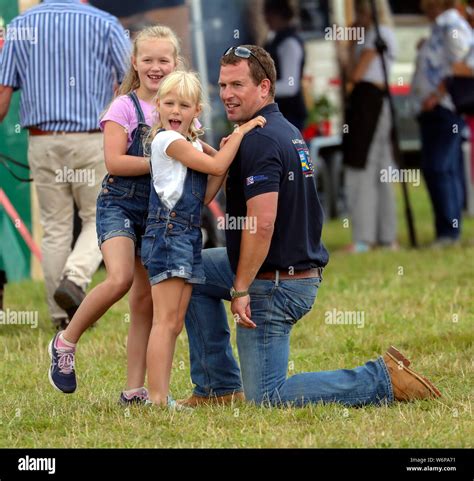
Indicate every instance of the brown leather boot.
{"type": "Point", "coordinates": [407, 384]}
{"type": "Point", "coordinates": [225, 400]}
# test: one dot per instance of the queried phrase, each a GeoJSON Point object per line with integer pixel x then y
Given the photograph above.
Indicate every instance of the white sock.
{"type": "Point", "coordinates": [67, 343]}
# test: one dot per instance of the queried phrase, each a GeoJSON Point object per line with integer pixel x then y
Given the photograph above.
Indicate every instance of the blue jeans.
{"type": "Point", "coordinates": [442, 167]}
{"type": "Point", "coordinates": [264, 351]}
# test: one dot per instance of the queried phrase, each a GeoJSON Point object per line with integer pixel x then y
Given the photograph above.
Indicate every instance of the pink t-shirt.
{"type": "Point", "coordinates": [123, 112]}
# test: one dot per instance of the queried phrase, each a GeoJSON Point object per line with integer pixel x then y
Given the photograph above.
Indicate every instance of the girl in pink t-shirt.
{"type": "Point", "coordinates": [122, 208]}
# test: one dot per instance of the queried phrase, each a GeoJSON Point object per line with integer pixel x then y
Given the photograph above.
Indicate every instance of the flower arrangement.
{"type": "Point", "coordinates": [318, 122]}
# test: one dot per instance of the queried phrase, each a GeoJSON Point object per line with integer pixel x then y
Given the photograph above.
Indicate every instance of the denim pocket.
{"type": "Point", "coordinates": [111, 191]}
{"type": "Point", "coordinates": [296, 307]}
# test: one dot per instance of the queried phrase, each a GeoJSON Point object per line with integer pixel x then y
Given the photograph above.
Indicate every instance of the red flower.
{"type": "Point", "coordinates": [310, 131]}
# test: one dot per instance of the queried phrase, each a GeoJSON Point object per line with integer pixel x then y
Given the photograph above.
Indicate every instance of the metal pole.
{"type": "Point", "coordinates": [381, 47]}
{"type": "Point", "coordinates": [201, 62]}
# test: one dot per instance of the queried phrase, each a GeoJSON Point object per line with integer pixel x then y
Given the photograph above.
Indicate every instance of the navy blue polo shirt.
{"type": "Point", "coordinates": [275, 158]}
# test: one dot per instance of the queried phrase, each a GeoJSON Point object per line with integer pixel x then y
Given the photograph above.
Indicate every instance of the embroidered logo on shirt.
{"type": "Point", "coordinates": [255, 178]}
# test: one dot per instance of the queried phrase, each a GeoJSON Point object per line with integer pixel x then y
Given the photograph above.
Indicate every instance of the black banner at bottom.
{"type": "Point", "coordinates": [364, 464]}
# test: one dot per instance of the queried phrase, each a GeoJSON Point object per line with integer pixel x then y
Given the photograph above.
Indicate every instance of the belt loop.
{"type": "Point", "coordinates": [277, 278]}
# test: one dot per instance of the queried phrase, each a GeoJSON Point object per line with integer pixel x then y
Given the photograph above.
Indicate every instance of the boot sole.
{"type": "Point", "coordinates": [428, 384]}
{"type": "Point", "coordinates": [65, 300]}
{"type": "Point", "coordinates": [395, 353]}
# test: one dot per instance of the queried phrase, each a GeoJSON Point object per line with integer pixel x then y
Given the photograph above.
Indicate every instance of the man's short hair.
{"type": "Point", "coordinates": [257, 73]}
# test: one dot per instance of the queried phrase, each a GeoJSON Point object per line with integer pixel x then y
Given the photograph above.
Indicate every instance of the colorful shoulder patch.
{"type": "Point", "coordinates": [305, 158]}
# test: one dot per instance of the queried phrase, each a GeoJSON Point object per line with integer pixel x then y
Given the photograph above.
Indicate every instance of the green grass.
{"type": "Point", "coordinates": [415, 311]}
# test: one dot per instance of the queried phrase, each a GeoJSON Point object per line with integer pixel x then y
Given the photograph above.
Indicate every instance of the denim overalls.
{"type": "Point", "coordinates": [172, 242]}
{"type": "Point", "coordinates": [122, 205]}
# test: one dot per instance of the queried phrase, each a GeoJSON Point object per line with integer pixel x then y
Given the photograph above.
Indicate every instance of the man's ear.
{"type": "Point", "coordinates": [265, 86]}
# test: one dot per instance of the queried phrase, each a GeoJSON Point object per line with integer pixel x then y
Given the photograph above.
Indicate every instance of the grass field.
{"type": "Point", "coordinates": [421, 301]}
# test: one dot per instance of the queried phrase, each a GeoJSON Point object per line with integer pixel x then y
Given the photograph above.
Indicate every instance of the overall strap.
{"type": "Point", "coordinates": [136, 103]}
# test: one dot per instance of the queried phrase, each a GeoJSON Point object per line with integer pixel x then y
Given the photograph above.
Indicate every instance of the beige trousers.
{"type": "Point", "coordinates": [66, 169]}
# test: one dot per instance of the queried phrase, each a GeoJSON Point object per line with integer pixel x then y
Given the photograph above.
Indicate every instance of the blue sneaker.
{"type": "Point", "coordinates": [171, 404]}
{"type": "Point", "coordinates": [140, 396]}
{"type": "Point", "coordinates": [176, 406]}
{"type": "Point", "coordinates": [61, 372]}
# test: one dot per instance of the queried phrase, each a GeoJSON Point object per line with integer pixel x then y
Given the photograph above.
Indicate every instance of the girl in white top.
{"type": "Point", "coordinates": [172, 241]}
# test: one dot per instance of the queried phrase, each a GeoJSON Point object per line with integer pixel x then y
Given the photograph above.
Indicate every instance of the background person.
{"type": "Point", "coordinates": [466, 69]}
{"type": "Point", "coordinates": [287, 49]}
{"type": "Point", "coordinates": [368, 144]}
{"type": "Point", "coordinates": [441, 127]}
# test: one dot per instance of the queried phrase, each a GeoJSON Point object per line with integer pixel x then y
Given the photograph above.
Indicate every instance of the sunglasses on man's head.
{"type": "Point", "coordinates": [244, 52]}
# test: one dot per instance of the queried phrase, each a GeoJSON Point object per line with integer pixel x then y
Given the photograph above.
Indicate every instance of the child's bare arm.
{"type": "Point", "coordinates": [208, 149]}
{"type": "Point", "coordinates": [184, 152]}
{"type": "Point", "coordinates": [214, 183]}
{"type": "Point", "coordinates": [116, 162]}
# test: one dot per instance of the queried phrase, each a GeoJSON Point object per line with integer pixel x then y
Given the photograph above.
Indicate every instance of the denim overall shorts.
{"type": "Point", "coordinates": [122, 204]}
{"type": "Point", "coordinates": [172, 244]}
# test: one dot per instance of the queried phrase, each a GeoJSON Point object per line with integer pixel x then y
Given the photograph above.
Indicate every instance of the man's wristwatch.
{"type": "Point", "coordinates": [234, 294]}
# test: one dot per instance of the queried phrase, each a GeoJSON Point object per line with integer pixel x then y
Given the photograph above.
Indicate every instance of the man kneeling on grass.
{"type": "Point", "coordinates": [271, 273]}
{"type": "Point", "coordinates": [271, 269]}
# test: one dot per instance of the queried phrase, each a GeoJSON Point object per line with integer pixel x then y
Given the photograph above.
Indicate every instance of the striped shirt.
{"type": "Point", "coordinates": [65, 57]}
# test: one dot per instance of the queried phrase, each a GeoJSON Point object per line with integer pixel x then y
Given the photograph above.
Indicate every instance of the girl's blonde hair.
{"type": "Point", "coordinates": [188, 86]}
{"type": "Point", "coordinates": [131, 81]}
{"type": "Point", "coordinates": [383, 10]}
